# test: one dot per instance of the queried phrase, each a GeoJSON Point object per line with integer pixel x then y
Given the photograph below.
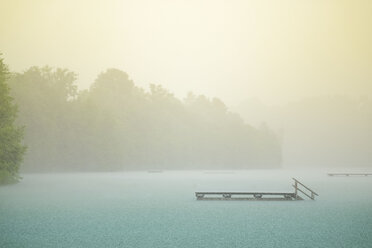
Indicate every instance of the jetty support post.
{"type": "Point", "coordinates": [295, 188]}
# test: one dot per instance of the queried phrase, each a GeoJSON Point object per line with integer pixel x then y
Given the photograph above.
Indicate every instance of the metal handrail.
{"type": "Point", "coordinates": [305, 186]}
{"type": "Point", "coordinates": [312, 196]}
{"type": "Point", "coordinates": [303, 192]}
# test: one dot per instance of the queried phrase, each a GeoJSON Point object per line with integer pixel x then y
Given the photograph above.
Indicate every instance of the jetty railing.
{"type": "Point", "coordinates": [303, 189]}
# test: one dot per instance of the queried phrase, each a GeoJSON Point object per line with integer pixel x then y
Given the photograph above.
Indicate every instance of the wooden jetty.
{"type": "Point", "coordinates": [155, 171]}
{"type": "Point", "coordinates": [348, 174]}
{"type": "Point", "coordinates": [263, 196]}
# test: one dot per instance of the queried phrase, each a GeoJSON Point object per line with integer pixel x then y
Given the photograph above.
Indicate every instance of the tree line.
{"type": "Point", "coordinates": [116, 125]}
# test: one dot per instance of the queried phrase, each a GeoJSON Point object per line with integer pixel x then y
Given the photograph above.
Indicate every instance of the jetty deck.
{"type": "Point", "coordinates": [273, 196]}
{"type": "Point", "coordinates": [348, 174]}
{"type": "Point", "coordinates": [260, 196]}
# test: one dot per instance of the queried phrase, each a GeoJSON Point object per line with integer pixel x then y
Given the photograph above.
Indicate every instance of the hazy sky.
{"type": "Point", "coordinates": [272, 50]}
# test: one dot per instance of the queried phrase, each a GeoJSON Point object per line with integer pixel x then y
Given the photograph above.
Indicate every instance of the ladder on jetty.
{"type": "Point", "coordinates": [349, 174]}
{"type": "Point", "coordinates": [266, 196]}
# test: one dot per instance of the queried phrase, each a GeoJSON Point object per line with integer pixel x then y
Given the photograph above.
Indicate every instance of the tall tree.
{"type": "Point", "coordinates": [44, 96]}
{"type": "Point", "coordinates": [11, 147]}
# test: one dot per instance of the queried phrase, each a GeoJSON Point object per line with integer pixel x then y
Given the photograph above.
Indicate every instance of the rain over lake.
{"type": "Point", "coordinates": [159, 209]}
{"type": "Point", "coordinates": [185, 124]}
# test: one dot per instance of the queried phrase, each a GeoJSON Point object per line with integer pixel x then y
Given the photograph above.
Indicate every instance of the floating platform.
{"type": "Point", "coordinates": [349, 174]}
{"type": "Point", "coordinates": [252, 196]}
{"type": "Point", "coordinates": [260, 196]}
{"type": "Point", "coordinates": [155, 171]}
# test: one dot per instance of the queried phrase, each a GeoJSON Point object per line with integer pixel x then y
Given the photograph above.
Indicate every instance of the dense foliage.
{"type": "Point", "coordinates": [11, 147]}
{"type": "Point", "coordinates": [115, 125]}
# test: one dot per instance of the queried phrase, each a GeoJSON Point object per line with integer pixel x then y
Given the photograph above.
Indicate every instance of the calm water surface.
{"type": "Point", "coordinates": [141, 209]}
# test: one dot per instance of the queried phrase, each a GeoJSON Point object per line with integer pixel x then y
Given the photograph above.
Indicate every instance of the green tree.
{"type": "Point", "coordinates": [44, 97]}
{"type": "Point", "coordinates": [11, 136]}
{"type": "Point", "coordinates": [116, 125]}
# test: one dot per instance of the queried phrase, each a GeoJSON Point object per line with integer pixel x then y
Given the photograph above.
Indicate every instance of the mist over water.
{"type": "Point", "coordinates": [116, 112]}
{"type": "Point", "coordinates": [323, 131]}
{"type": "Point", "coordinates": [142, 209]}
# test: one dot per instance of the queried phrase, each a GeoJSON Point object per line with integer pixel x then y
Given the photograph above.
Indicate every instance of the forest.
{"type": "Point", "coordinates": [115, 125]}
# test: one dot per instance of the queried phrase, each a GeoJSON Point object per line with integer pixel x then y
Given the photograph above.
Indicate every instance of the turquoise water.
{"type": "Point", "coordinates": [140, 209]}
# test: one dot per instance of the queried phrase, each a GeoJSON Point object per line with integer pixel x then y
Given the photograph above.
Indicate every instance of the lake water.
{"type": "Point", "coordinates": [141, 209]}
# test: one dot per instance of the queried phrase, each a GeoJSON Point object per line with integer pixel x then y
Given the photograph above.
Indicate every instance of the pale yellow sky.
{"type": "Point", "coordinates": [276, 51]}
